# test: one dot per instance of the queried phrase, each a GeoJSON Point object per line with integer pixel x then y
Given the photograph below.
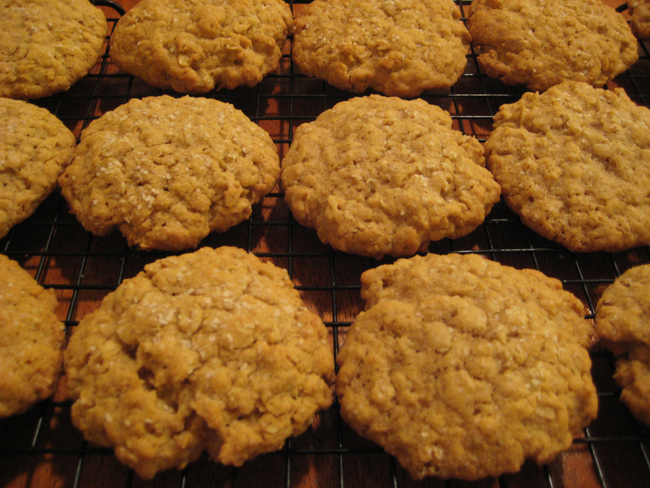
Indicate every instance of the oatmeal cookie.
{"type": "Point", "coordinates": [47, 45]}
{"type": "Point", "coordinates": [211, 350]}
{"type": "Point", "coordinates": [640, 12]}
{"type": "Point", "coordinates": [398, 48]}
{"type": "Point", "coordinates": [462, 367]}
{"type": "Point", "coordinates": [539, 43]}
{"type": "Point", "coordinates": [623, 324]}
{"type": "Point", "coordinates": [166, 172]}
{"type": "Point", "coordinates": [193, 46]}
{"type": "Point", "coordinates": [383, 176]}
{"type": "Point", "coordinates": [31, 340]}
{"type": "Point", "coordinates": [35, 148]}
{"type": "Point", "coordinates": [574, 163]}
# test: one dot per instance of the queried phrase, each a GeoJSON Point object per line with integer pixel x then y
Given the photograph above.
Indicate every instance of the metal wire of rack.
{"type": "Point", "coordinates": [42, 448]}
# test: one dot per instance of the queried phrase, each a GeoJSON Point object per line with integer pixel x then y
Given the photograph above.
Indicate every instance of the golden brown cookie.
{"type": "Point", "coordinates": [461, 367]}
{"type": "Point", "coordinates": [623, 324]}
{"type": "Point", "coordinates": [35, 148]}
{"type": "Point", "coordinates": [47, 45]}
{"type": "Point", "coordinates": [31, 340]}
{"type": "Point", "coordinates": [398, 48]}
{"type": "Point", "coordinates": [574, 163]}
{"type": "Point", "coordinates": [383, 176]}
{"type": "Point", "coordinates": [212, 350]}
{"type": "Point", "coordinates": [193, 46]}
{"type": "Point", "coordinates": [640, 12]}
{"type": "Point", "coordinates": [540, 43]}
{"type": "Point", "coordinates": [168, 171]}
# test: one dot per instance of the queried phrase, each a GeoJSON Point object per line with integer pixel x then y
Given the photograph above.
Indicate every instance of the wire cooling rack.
{"type": "Point", "coordinates": [41, 447]}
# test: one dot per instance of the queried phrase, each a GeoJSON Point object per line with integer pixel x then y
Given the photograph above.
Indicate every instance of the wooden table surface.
{"type": "Point", "coordinates": [42, 449]}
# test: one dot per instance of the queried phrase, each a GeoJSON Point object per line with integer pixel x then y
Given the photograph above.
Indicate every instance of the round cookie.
{"type": "Point", "coordinates": [47, 45]}
{"type": "Point", "coordinates": [540, 43]}
{"type": "Point", "coordinates": [31, 340]}
{"type": "Point", "coordinates": [383, 176]}
{"type": "Point", "coordinates": [398, 48]}
{"type": "Point", "coordinates": [166, 172]}
{"type": "Point", "coordinates": [623, 324]}
{"type": "Point", "coordinates": [464, 368]}
{"type": "Point", "coordinates": [623, 310]}
{"type": "Point", "coordinates": [640, 14]}
{"type": "Point", "coordinates": [212, 350]}
{"type": "Point", "coordinates": [35, 148]}
{"type": "Point", "coordinates": [574, 163]}
{"type": "Point", "coordinates": [193, 46]}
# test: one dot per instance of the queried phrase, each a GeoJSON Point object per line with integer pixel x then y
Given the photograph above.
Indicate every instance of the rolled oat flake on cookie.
{"type": "Point", "coordinates": [206, 351]}
{"type": "Point", "coordinates": [168, 171]}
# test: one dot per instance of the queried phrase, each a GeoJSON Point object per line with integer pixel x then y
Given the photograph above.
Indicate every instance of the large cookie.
{"type": "Point", "coordinates": [623, 324]}
{"type": "Point", "coordinates": [540, 43]}
{"type": "Point", "coordinates": [31, 340]}
{"type": "Point", "coordinates": [35, 148]}
{"type": "Point", "coordinates": [398, 48]}
{"type": "Point", "coordinates": [212, 350]}
{"type": "Point", "coordinates": [47, 45]}
{"type": "Point", "coordinates": [574, 163]}
{"type": "Point", "coordinates": [640, 13]}
{"type": "Point", "coordinates": [461, 367]}
{"type": "Point", "coordinates": [383, 176]}
{"type": "Point", "coordinates": [193, 46]}
{"type": "Point", "coordinates": [169, 171]}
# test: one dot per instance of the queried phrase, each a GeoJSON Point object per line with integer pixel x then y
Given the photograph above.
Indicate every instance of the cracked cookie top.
{"type": "Point", "coordinates": [35, 148]}
{"type": "Point", "coordinates": [397, 47]}
{"type": "Point", "coordinates": [31, 340]}
{"type": "Point", "coordinates": [574, 164]}
{"type": "Point", "coordinates": [462, 367]}
{"type": "Point", "coordinates": [212, 350]}
{"type": "Point", "coordinates": [540, 43]}
{"type": "Point", "coordinates": [47, 45]}
{"type": "Point", "coordinates": [383, 176]}
{"type": "Point", "coordinates": [194, 46]}
{"type": "Point", "coordinates": [168, 171]}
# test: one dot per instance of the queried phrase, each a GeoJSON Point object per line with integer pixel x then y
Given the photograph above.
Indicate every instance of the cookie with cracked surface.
{"type": "Point", "coordinates": [168, 171]}
{"type": "Point", "coordinates": [383, 176]}
{"type": "Point", "coordinates": [464, 368]}
{"type": "Point", "coordinates": [623, 325]}
{"type": "Point", "coordinates": [398, 48]}
{"type": "Point", "coordinates": [574, 163]}
{"type": "Point", "coordinates": [194, 46]}
{"type": "Point", "coordinates": [31, 340]}
{"type": "Point", "coordinates": [640, 15]}
{"type": "Point", "coordinates": [540, 43]}
{"type": "Point", "coordinates": [207, 351]}
{"type": "Point", "coordinates": [35, 148]}
{"type": "Point", "coordinates": [47, 45]}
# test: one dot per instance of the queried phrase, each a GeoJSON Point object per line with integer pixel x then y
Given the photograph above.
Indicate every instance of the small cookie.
{"type": "Point", "coordinates": [623, 324]}
{"type": "Point", "coordinates": [35, 148]}
{"type": "Point", "coordinates": [383, 176]}
{"type": "Point", "coordinates": [574, 163]}
{"type": "Point", "coordinates": [166, 172]}
{"type": "Point", "coordinates": [193, 46]}
{"type": "Point", "coordinates": [398, 48]}
{"type": "Point", "coordinates": [212, 350]}
{"type": "Point", "coordinates": [640, 12]}
{"type": "Point", "coordinates": [461, 367]}
{"type": "Point", "coordinates": [31, 340]}
{"type": "Point", "coordinates": [48, 45]}
{"type": "Point", "coordinates": [540, 43]}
